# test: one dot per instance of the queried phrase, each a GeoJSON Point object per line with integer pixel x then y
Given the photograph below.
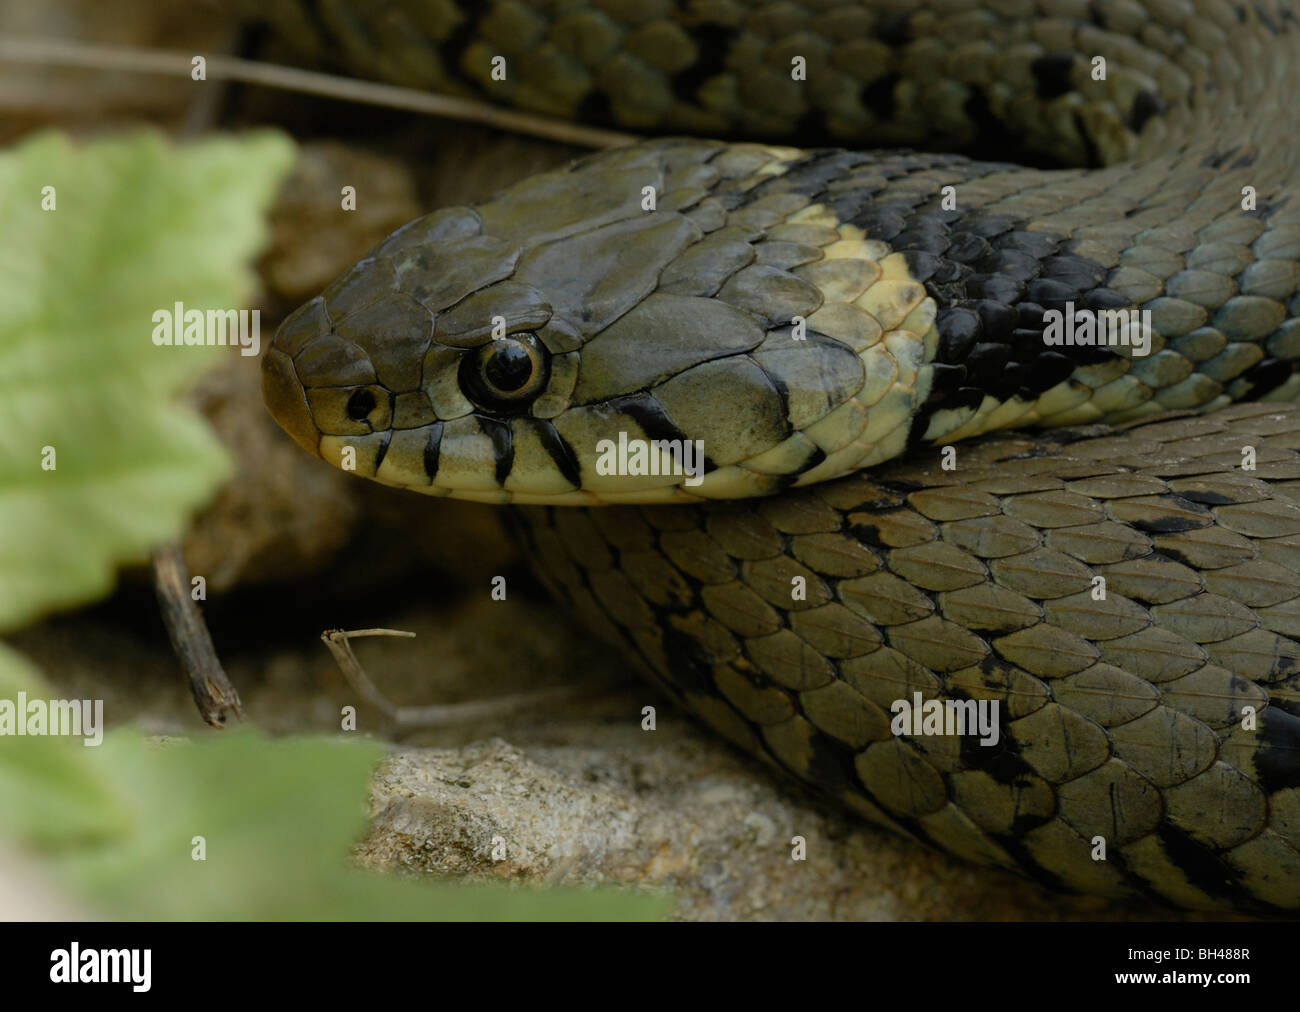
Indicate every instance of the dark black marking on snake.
{"type": "Point", "coordinates": [1205, 498]}
{"type": "Point", "coordinates": [922, 265]}
{"type": "Point", "coordinates": [1079, 273]}
{"type": "Point", "coordinates": [713, 43]}
{"type": "Point", "coordinates": [991, 138]}
{"type": "Point", "coordinates": [1266, 376]}
{"type": "Point", "coordinates": [693, 667]}
{"type": "Point", "coordinates": [1004, 765]}
{"type": "Point", "coordinates": [1172, 523]}
{"type": "Point", "coordinates": [1216, 160]}
{"type": "Point", "coordinates": [810, 175]}
{"type": "Point", "coordinates": [1276, 760]}
{"type": "Point", "coordinates": [777, 384]}
{"type": "Point", "coordinates": [385, 439]}
{"type": "Point", "coordinates": [1265, 210]}
{"type": "Point", "coordinates": [992, 280]}
{"type": "Point", "coordinates": [878, 96]}
{"type": "Point", "coordinates": [1269, 24]}
{"type": "Point", "coordinates": [503, 447]}
{"type": "Point", "coordinates": [1286, 706]}
{"type": "Point", "coordinates": [894, 30]}
{"type": "Point", "coordinates": [986, 363]}
{"type": "Point", "coordinates": [654, 421]}
{"type": "Point", "coordinates": [1052, 74]}
{"type": "Point", "coordinates": [890, 492]}
{"type": "Point", "coordinates": [815, 457]}
{"type": "Point", "coordinates": [1202, 866]}
{"type": "Point", "coordinates": [868, 533]}
{"type": "Point", "coordinates": [1092, 154]}
{"type": "Point", "coordinates": [1045, 372]}
{"type": "Point", "coordinates": [557, 448]}
{"type": "Point", "coordinates": [432, 448]}
{"type": "Point", "coordinates": [1146, 104]}
{"type": "Point", "coordinates": [452, 48]}
{"type": "Point", "coordinates": [1029, 865]}
{"type": "Point", "coordinates": [595, 108]}
{"type": "Point", "coordinates": [828, 762]}
{"type": "Point", "coordinates": [946, 380]}
{"type": "Point", "coordinates": [1175, 555]}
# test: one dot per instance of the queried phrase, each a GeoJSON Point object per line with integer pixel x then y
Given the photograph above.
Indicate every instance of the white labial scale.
{"type": "Point", "coordinates": [404, 463]}
{"type": "Point", "coordinates": [466, 458]}
{"type": "Point", "coordinates": [366, 448]}
{"type": "Point", "coordinates": [734, 482]}
{"type": "Point", "coordinates": [532, 467]}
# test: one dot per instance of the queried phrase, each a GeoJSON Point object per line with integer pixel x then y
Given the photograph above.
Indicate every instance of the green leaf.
{"type": "Point", "coordinates": [50, 795]}
{"type": "Point", "coordinates": [138, 225]}
{"type": "Point", "coordinates": [277, 819]}
{"type": "Point", "coordinates": [117, 824]}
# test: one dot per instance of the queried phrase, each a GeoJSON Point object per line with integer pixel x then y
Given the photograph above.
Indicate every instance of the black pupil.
{"type": "Point", "coordinates": [360, 404]}
{"type": "Point", "coordinates": [508, 367]}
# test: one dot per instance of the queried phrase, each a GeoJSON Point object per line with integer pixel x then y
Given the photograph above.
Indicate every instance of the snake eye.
{"type": "Point", "coordinates": [505, 374]}
{"type": "Point", "coordinates": [360, 404]}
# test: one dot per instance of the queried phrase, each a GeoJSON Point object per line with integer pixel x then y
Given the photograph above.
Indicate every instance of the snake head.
{"type": "Point", "coordinates": [571, 342]}
{"type": "Point", "coordinates": [413, 365]}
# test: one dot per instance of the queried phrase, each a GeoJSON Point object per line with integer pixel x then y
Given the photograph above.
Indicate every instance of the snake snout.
{"type": "Point", "coordinates": [317, 384]}
{"type": "Point", "coordinates": [282, 389]}
{"type": "Point", "coordinates": [285, 399]}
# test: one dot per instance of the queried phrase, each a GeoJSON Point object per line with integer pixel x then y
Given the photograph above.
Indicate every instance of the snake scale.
{"type": "Point", "coordinates": [828, 327]}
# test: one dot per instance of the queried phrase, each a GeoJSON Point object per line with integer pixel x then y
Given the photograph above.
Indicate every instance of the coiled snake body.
{"type": "Point", "coordinates": [1128, 597]}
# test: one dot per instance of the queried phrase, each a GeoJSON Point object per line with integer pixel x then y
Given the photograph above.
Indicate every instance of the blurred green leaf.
{"type": "Point", "coordinates": [49, 795]}
{"type": "Point", "coordinates": [139, 224]}
{"type": "Point", "coordinates": [116, 825]}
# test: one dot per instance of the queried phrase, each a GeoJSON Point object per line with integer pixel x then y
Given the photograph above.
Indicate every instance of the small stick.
{"type": "Point", "coordinates": [95, 56]}
{"type": "Point", "coordinates": [213, 692]}
{"type": "Point", "coordinates": [408, 718]}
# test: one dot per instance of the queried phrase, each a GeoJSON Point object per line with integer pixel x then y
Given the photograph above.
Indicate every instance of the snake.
{"type": "Point", "coordinates": [947, 463]}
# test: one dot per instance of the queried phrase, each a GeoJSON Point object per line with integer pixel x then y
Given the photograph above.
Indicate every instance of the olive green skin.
{"type": "Point", "coordinates": [1147, 743]}
{"type": "Point", "coordinates": [1124, 720]}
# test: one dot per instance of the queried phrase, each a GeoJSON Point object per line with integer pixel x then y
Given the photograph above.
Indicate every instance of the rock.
{"type": "Point", "coordinates": [596, 800]}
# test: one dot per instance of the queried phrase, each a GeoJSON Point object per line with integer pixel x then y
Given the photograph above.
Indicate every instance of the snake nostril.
{"type": "Point", "coordinates": [360, 404]}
